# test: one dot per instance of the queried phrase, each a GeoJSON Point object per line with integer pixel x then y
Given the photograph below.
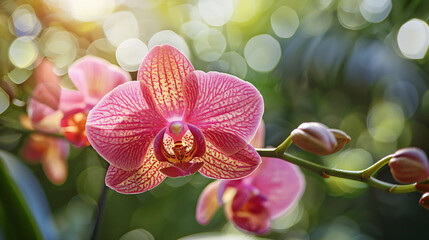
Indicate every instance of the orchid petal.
{"type": "Point", "coordinates": [71, 102]}
{"type": "Point", "coordinates": [121, 126]}
{"type": "Point", "coordinates": [43, 118]}
{"type": "Point", "coordinates": [95, 77]}
{"type": "Point", "coordinates": [258, 141]}
{"type": "Point", "coordinates": [48, 94]}
{"type": "Point", "coordinates": [281, 182]}
{"type": "Point", "coordinates": [228, 110]}
{"type": "Point", "coordinates": [220, 166]}
{"type": "Point", "coordinates": [55, 160]}
{"type": "Point", "coordinates": [207, 203]}
{"type": "Point", "coordinates": [138, 180]}
{"type": "Point", "coordinates": [163, 71]}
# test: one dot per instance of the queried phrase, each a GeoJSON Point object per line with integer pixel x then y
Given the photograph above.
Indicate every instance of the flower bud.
{"type": "Point", "coordinates": [409, 165]}
{"type": "Point", "coordinates": [424, 200]}
{"type": "Point", "coordinates": [315, 138]}
{"type": "Point", "coordinates": [422, 187]}
{"type": "Point", "coordinates": [341, 137]}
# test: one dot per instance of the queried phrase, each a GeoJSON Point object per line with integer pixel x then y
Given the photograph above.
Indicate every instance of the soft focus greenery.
{"type": "Point", "coordinates": [339, 62]}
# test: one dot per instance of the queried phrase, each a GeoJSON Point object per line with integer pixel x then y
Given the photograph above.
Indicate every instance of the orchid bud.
{"type": "Point", "coordinates": [341, 137]}
{"type": "Point", "coordinates": [424, 200]}
{"type": "Point", "coordinates": [315, 138]}
{"type": "Point", "coordinates": [422, 187]}
{"type": "Point", "coordinates": [409, 165]}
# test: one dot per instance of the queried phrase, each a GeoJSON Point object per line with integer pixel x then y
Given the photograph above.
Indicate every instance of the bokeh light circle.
{"type": "Point", "coordinates": [4, 101]}
{"type": "Point", "coordinates": [284, 22]}
{"type": "Point", "coordinates": [23, 52]}
{"type": "Point", "coordinates": [375, 11]}
{"type": "Point", "coordinates": [230, 62]}
{"type": "Point", "coordinates": [413, 38]}
{"type": "Point", "coordinates": [349, 15]}
{"type": "Point", "coordinates": [25, 21]}
{"type": "Point", "coordinates": [209, 45]}
{"type": "Point", "coordinates": [385, 122]}
{"type": "Point", "coordinates": [216, 12]}
{"type": "Point", "coordinates": [121, 26]}
{"type": "Point", "coordinates": [130, 54]}
{"type": "Point", "coordinates": [193, 27]}
{"type": "Point", "coordinates": [262, 53]}
{"type": "Point", "coordinates": [171, 38]}
{"type": "Point", "coordinates": [89, 10]}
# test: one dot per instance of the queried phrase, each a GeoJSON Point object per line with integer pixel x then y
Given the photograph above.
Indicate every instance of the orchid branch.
{"type": "Point", "coordinates": [366, 175]}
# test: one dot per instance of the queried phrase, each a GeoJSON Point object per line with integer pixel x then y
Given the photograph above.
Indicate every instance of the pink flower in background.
{"type": "Point", "coordinates": [93, 77]}
{"type": "Point", "coordinates": [252, 202]}
{"type": "Point", "coordinates": [173, 122]}
{"type": "Point", "coordinates": [44, 117]}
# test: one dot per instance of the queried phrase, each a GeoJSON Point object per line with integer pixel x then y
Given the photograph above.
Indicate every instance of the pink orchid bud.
{"type": "Point", "coordinates": [422, 187]}
{"type": "Point", "coordinates": [409, 165]}
{"type": "Point", "coordinates": [315, 138]}
{"type": "Point", "coordinates": [424, 200]}
{"type": "Point", "coordinates": [342, 139]}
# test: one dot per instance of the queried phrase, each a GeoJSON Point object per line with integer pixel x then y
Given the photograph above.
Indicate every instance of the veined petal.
{"type": "Point", "coordinates": [121, 126]}
{"type": "Point", "coordinates": [281, 182]}
{"type": "Point", "coordinates": [258, 141]}
{"type": "Point", "coordinates": [95, 77]}
{"type": "Point", "coordinates": [138, 180]}
{"type": "Point", "coordinates": [163, 70]}
{"type": "Point", "coordinates": [220, 166]}
{"type": "Point", "coordinates": [227, 109]}
{"type": "Point", "coordinates": [71, 101]}
{"type": "Point", "coordinates": [207, 203]}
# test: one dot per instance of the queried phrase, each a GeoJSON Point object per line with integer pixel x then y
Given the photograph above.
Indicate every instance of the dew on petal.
{"type": "Point", "coordinates": [262, 53]}
{"type": "Point", "coordinates": [130, 53]}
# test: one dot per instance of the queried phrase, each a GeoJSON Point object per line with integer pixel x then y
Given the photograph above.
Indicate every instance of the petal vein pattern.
{"type": "Point", "coordinates": [137, 180]}
{"type": "Point", "coordinates": [121, 127]}
{"type": "Point", "coordinates": [228, 110]}
{"type": "Point", "coordinates": [220, 166]}
{"type": "Point", "coordinates": [163, 71]}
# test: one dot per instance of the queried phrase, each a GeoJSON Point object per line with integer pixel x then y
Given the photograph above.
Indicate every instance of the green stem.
{"type": "Point", "coordinates": [365, 175]}
{"type": "Point", "coordinates": [284, 146]}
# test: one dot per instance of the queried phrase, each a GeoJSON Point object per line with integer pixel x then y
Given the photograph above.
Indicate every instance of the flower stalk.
{"type": "Point", "coordinates": [365, 175]}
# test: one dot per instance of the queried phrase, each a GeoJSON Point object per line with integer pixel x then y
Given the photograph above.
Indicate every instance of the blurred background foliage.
{"type": "Point", "coordinates": [356, 65]}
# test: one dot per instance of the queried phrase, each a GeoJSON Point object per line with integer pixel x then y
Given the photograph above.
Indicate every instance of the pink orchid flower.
{"type": "Point", "coordinates": [93, 77]}
{"type": "Point", "coordinates": [43, 116]}
{"type": "Point", "coordinates": [173, 122]}
{"type": "Point", "coordinates": [252, 202]}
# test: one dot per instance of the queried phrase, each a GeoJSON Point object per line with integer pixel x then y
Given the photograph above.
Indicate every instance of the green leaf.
{"type": "Point", "coordinates": [17, 221]}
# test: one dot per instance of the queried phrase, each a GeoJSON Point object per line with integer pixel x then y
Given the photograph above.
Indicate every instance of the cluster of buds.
{"type": "Point", "coordinates": [317, 138]}
{"type": "Point", "coordinates": [411, 165]}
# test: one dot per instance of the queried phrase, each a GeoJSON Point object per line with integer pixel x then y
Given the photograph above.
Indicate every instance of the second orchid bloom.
{"type": "Point", "coordinates": [173, 122]}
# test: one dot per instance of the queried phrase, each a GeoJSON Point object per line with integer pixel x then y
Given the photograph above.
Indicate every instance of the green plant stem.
{"type": "Point", "coordinates": [99, 213]}
{"type": "Point", "coordinates": [283, 146]}
{"type": "Point", "coordinates": [365, 175]}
